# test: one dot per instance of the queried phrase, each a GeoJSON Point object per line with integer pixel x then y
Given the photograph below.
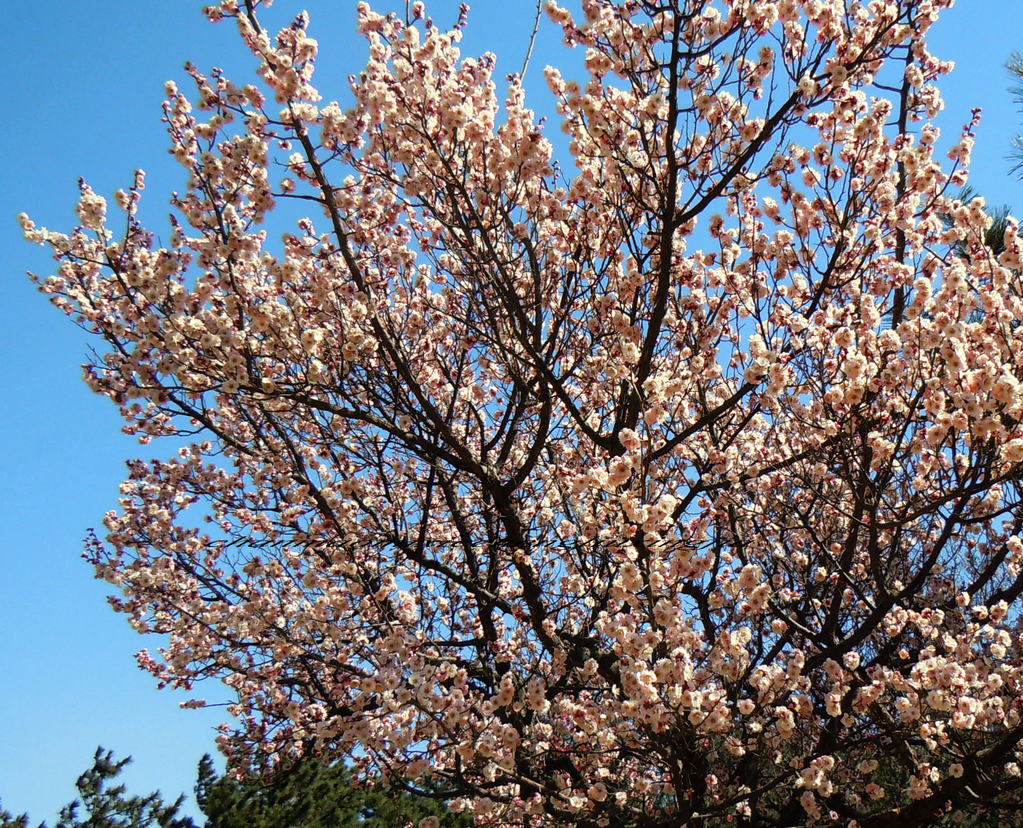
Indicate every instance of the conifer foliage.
{"type": "Point", "coordinates": [102, 804]}
{"type": "Point", "coordinates": [312, 794]}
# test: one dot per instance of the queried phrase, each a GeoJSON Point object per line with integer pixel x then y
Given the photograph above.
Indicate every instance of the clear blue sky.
{"type": "Point", "coordinates": [82, 94]}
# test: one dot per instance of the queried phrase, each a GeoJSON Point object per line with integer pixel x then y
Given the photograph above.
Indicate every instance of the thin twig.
{"type": "Point", "coordinates": [532, 39]}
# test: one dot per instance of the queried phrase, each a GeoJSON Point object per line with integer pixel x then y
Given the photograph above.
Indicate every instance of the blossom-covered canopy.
{"type": "Point", "coordinates": [675, 481]}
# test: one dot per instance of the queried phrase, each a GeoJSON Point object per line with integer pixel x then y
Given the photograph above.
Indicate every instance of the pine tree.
{"type": "Point", "coordinates": [100, 806]}
{"type": "Point", "coordinates": [1015, 67]}
{"type": "Point", "coordinates": [311, 795]}
{"type": "Point", "coordinates": [8, 820]}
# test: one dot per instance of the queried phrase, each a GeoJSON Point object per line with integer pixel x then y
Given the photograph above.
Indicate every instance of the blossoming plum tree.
{"type": "Point", "coordinates": [678, 483]}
